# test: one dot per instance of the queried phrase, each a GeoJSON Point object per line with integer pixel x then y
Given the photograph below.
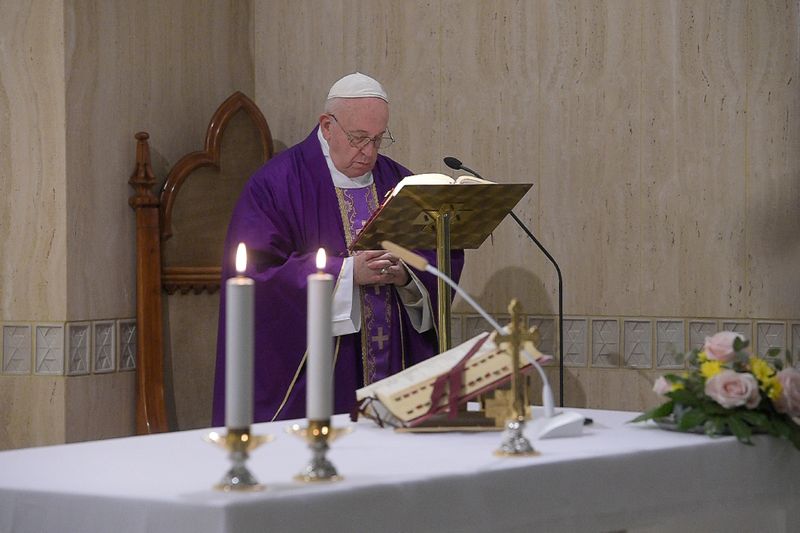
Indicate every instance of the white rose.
{"type": "Point", "coordinates": [732, 389]}
{"type": "Point", "coordinates": [662, 386]}
{"type": "Point", "coordinates": [789, 400]}
{"type": "Point", "coordinates": [720, 345]}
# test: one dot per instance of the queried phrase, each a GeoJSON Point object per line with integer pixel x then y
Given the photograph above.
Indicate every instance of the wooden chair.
{"type": "Point", "coordinates": [180, 231]}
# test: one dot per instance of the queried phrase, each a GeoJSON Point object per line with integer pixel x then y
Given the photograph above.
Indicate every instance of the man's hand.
{"type": "Point", "coordinates": [378, 267]}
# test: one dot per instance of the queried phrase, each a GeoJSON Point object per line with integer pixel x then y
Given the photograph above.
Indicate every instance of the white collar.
{"type": "Point", "coordinates": [341, 181]}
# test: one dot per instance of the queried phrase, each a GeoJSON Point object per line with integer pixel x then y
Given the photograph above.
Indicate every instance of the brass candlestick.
{"type": "Point", "coordinates": [238, 442]}
{"type": "Point", "coordinates": [318, 434]}
{"type": "Point", "coordinates": [514, 441]}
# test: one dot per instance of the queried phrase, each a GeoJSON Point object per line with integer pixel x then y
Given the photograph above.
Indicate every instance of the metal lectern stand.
{"type": "Point", "coordinates": [441, 218]}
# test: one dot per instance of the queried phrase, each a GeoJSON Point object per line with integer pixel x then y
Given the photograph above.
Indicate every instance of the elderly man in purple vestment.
{"type": "Point", "coordinates": [319, 193]}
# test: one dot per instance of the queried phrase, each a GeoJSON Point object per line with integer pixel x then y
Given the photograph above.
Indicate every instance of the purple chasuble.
{"type": "Point", "coordinates": [288, 210]}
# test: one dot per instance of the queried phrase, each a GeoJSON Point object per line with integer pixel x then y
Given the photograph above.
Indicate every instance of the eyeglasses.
{"type": "Point", "coordinates": [384, 140]}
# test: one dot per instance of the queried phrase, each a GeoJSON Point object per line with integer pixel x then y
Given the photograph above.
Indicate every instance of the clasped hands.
{"type": "Point", "coordinates": [378, 267]}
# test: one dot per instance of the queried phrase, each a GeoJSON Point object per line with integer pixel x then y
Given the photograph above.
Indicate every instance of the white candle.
{"type": "Point", "coordinates": [319, 367]}
{"type": "Point", "coordinates": [239, 305]}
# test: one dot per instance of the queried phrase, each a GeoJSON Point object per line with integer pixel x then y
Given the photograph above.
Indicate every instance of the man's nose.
{"type": "Point", "coordinates": [369, 148]}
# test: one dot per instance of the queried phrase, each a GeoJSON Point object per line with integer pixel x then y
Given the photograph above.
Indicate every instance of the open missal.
{"type": "Point", "coordinates": [437, 179]}
{"type": "Point", "coordinates": [409, 212]}
{"type": "Point", "coordinates": [438, 385]}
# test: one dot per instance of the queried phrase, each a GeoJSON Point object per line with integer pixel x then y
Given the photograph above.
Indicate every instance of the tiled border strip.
{"type": "Point", "coordinates": [68, 348]}
{"type": "Point", "coordinates": [640, 342]}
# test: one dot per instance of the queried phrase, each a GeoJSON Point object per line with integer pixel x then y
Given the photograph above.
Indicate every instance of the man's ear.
{"type": "Point", "coordinates": [325, 123]}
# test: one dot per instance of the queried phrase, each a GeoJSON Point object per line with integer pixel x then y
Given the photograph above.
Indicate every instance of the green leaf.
{"type": "Point", "coordinates": [741, 430]}
{"type": "Point", "coordinates": [755, 419]}
{"type": "Point", "coordinates": [781, 428]}
{"type": "Point", "coordinates": [794, 436]}
{"type": "Point", "coordinates": [715, 426]}
{"type": "Point", "coordinates": [685, 397]}
{"type": "Point", "coordinates": [691, 418]}
{"type": "Point", "coordinates": [740, 344]}
{"type": "Point", "coordinates": [772, 353]}
{"type": "Point", "coordinates": [665, 409]}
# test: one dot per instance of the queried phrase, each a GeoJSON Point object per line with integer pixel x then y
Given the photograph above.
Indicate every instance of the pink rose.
{"type": "Point", "coordinates": [662, 386]}
{"type": "Point", "coordinates": [732, 389]}
{"type": "Point", "coordinates": [720, 345]}
{"type": "Point", "coordinates": [789, 400]}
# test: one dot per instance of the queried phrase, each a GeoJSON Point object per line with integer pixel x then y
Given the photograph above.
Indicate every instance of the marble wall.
{"type": "Point", "coordinates": [77, 80]}
{"type": "Point", "coordinates": [33, 237]}
{"type": "Point", "coordinates": [661, 139]}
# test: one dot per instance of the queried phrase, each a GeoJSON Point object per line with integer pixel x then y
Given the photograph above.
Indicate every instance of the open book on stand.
{"type": "Point", "coordinates": [409, 212]}
{"type": "Point", "coordinates": [437, 179]}
{"type": "Point", "coordinates": [437, 386]}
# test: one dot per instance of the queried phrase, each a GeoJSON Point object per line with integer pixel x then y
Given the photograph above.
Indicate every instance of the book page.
{"type": "Point", "coordinates": [430, 368]}
{"type": "Point", "coordinates": [469, 180]}
{"type": "Point", "coordinates": [422, 179]}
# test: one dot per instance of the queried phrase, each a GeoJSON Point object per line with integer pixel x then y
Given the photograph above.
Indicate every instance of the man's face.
{"type": "Point", "coordinates": [361, 117]}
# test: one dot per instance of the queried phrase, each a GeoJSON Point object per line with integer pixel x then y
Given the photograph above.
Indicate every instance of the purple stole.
{"type": "Point", "coordinates": [356, 206]}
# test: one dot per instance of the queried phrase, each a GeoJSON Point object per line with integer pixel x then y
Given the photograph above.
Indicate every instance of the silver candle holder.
{"type": "Point", "coordinates": [239, 443]}
{"type": "Point", "coordinates": [317, 435]}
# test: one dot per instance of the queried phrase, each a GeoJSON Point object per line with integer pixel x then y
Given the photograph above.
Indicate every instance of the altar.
{"type": "Point", "coordinates": [616, 476]}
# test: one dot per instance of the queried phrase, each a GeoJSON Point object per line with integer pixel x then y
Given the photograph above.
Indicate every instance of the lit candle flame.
{"type": "Point", "coordinates": [320, 259]}
{"type": "Point", "coordinates": [241, 258]}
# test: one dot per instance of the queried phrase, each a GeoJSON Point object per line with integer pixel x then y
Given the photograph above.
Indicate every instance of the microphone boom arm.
{"type": "Point", "coordinates": [456, 164]}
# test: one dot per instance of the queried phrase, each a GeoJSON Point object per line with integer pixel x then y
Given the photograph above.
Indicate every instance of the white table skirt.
{"type": "Point", "coordinates": [615, 476]}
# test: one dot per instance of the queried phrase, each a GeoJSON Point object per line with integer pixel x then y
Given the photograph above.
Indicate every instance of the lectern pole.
{"type": "Point", "coordinates": [443, 264]}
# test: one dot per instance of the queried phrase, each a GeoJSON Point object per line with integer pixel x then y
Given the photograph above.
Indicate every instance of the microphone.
{"type": "Point", "coordinates": [456, 164]}
{"type": "Point", "coordinates": [420, 263]}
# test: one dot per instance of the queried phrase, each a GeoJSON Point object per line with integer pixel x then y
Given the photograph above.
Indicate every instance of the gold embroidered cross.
{"type": "Point", "coordinates": [380, 338]}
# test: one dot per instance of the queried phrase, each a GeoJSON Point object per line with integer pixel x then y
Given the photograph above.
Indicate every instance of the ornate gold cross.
{"type": "Point", "coordinates": [514, 340]}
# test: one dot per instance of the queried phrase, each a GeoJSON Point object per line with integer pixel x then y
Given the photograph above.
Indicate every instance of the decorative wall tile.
{"type": "Point", "coordinates": [770, 335]}
{"type": "Point", "coordinates": [699, 330]}
{"type": "Point", "coordinates": [49, 349]}
{"type": "Point", "coordinates": [475, 324]}
{"type": "Point", "coordinates": [638, 344]}
{"type": "Point", "coordinates": [605, 343]}
{"type": "Point", "coordinates": [103, 333]}
{"type": "Point", "coordinates": [575, 341]}
{"type": "Point", "coordinates": [16, 349]}
{"type": "Point", "coordinates": [743, 327]}
{"type": "Point", "coordinates": [79, 347]}
{"type": "Point", "coordinates": [670, 343]}
{"type": "Point", "coordinates": [126, 333]}
{"type": "Point", "coordinates": [547, 334]}
{"type": "Point", "coordinates": [795, 345]}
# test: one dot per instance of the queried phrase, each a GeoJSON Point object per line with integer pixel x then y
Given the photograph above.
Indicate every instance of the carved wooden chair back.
{"type": "Point", "coordinates": [180, 231]}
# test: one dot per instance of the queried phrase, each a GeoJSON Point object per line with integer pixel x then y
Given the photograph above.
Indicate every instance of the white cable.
{"type": "Point", "coordinates": [547, 393]}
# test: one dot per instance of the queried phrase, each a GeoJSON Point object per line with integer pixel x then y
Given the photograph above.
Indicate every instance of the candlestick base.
{"type": "Point", "coordinates": [318, 434]}
{"type": "Point", "coordinates": [238, 442]}
{"type": "Point", "coordinates": [515, 444]}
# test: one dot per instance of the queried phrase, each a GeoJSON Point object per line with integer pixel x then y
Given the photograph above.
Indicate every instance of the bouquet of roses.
{"type": "Point", "coordinates": [728, 390]}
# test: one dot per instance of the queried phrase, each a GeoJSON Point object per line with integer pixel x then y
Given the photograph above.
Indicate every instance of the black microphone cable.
{"type": "Point", "coordinates": [456, 164]}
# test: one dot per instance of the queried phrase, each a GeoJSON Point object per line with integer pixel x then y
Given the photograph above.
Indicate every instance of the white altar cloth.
{"type": "Point", "coordinates": [616, 476]}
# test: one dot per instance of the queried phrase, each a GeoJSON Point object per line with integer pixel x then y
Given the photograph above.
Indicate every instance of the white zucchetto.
{"type": "Point", "coordinates": [357, 85]}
